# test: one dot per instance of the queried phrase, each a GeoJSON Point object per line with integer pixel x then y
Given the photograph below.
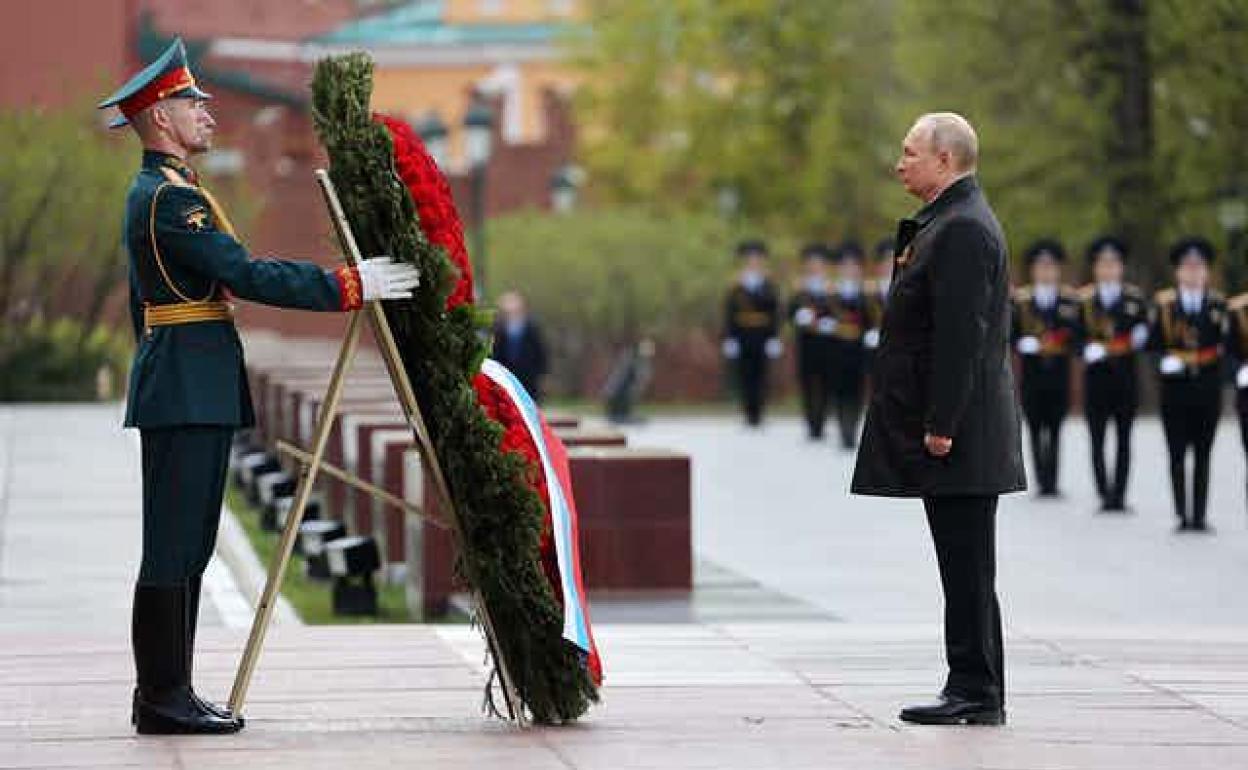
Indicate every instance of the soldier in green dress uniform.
{"type": "Point", "coordinates": [188, 391]}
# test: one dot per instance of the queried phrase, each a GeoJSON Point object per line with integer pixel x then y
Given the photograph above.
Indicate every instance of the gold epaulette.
{"type": "Point", "coordinates": [1068, 292]}
{"type": "Point", "coordinates": [1087, 292]}
{"type": "Point", "coordinates": [1238, 302]}
{"type": "Point", "coordinates": [1166, 296]}
{"type": "Point", "coordinates": [1023, 294]}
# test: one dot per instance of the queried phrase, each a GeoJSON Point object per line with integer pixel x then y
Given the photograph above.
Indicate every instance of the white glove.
{"type": "Point", "coordinates": [1241, 377]}
{"type": "Point", "coordinates": [382, 278]}
{"type": "Point", "coordinates": [1139, 336]}
{"type": "Point", "coordinates": [1094, 353]}
{"type": "Point", "coordinates": [774, 348]}
{"type": "Point", "coordinates": [804, 317]}
{"type": "Point", "coordinates": [1171, 365]}
{"type": "Point", "coordinates": [826, 325]}
{"type": "Point", "coordinates": [731, 348]}
{"type": "Point", "coordinates": [1028, 346]}
{"type": "Point", "coordinates": [871, 339]}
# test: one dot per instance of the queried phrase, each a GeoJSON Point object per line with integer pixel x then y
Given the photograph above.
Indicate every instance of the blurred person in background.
{"type": "Point", "coordinates": [810, 312]}
{"type": "Point", "coordinates": [849, 359]}
{"type": "Point", "coordinates": [1188, 331]}
{"type": "Point", "coordinates": [1045, 332]}
{"type": "Point", "coordinates": [1114, 318]}
{"type": "Point", "coordinates": [752, 327]}
{"type": "Point", "coordinates": [1237, 349]}
{"type": "Point", "coordinates": [876, 289]}
{"type": "Point", "coordinates": [519, 344]}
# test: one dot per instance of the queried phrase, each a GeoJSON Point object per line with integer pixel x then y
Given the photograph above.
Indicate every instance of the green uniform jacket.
{"type": "Point", "coordinates": [193, 374]}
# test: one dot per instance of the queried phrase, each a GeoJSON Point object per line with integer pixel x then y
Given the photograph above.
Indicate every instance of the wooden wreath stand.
{"type": "Point", "coordinates": [313, 462]}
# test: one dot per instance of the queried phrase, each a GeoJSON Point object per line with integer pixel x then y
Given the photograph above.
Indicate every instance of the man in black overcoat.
{"type": "Point", "coordinates": [943, 423]}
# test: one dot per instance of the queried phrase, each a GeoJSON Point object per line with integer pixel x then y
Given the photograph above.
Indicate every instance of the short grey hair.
{"type": "Point", "coordinates": [949, 131]}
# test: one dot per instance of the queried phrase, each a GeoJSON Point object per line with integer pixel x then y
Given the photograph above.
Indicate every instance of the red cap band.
{"type": "Point", "coordinates": [160, 88]}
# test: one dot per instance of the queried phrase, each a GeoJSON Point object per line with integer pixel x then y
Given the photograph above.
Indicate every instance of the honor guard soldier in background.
{"type": "Point", "coordinates": [1115, 327]}
{"type": "Point", "coordinates": [1045, 334]}
{"type": "Point", "coordinates": [810, 311]}
{"type": "Point", "coordinates": [188, 390]}
{"type": "Point", "coordinates": [849, 359]}
{"type": "Point", "coordinates": [1188, 330]}
{"type": "Point", "coordinates": [752, 327]}
{"type": "Point", "coordinates": [1237, 348]}
{"type": "Point", "coordinates": [876, 290]}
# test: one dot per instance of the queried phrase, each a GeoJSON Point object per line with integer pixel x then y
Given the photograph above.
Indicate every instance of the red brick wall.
{"type": "Point", "coordinates": [56, 52]}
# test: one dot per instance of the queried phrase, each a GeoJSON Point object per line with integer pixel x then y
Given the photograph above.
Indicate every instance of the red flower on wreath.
{"type": "Point", "coordinates": [439, 219]}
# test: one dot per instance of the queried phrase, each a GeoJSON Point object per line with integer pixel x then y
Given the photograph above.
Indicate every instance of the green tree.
{"type": "Point", "coordinates": [774, 100]}
{"type": "Point", "coordinates": [62, 183]}
{"type": "Point", "coordinates": [1093, 115]}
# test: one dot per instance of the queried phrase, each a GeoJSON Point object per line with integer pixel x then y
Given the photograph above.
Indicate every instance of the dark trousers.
{"type": "Point", "coordinates": [1241, 401]}
{"type": "Point", "coordinates": [1045, 410]}
{"type": "Point", "coordinates": [1190, 408]}
{"type": "Point", "coordinates": [847, 392]}
{"type": "Point", "coordinates": [964, 532]}
{"type": "Point", "coordinates": [184, 471]}
{"type": "Point", "coordinates": [752, 382]}
{"type": "Point", "coordinates": [1111, 395]}
{"type": "Point", "coordinates": [814, 378]}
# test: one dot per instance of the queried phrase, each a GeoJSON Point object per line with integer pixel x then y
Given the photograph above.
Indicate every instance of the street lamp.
{"type": "Point", "coordinates": [433, 133]}
{"type": "Point", "coordinates": [478, 146]}
{"type": "Point", "coordinates": [565, 184]}
{"type": "Point", "coordinates": [1232, 212]}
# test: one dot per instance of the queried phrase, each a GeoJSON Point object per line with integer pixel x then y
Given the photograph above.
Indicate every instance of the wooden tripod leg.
{"type": "Point", "coordinates": [281, 557]}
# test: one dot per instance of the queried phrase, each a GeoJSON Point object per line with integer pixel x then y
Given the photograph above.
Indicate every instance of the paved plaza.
{"type": "Point", "coordinates": [1127, 644]}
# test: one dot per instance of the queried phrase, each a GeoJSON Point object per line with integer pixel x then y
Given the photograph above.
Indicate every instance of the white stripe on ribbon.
{"type": "Point", "coordinates": [574, 626]}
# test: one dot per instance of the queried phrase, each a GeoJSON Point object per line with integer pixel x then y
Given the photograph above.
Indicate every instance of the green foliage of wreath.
{"type": "Point", "coordinates": [499, 512]}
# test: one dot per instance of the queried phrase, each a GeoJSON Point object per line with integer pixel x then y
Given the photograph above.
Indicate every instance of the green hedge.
{"type": "Point", "coordinates": [60, 360]}
{"type": "Point", "coordinates": [598, 280]}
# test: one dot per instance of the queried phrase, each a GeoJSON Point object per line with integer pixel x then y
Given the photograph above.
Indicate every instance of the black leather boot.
{"type": "Point", "coordinates": [163, 704]}
{"type": "Point", "coordinates": [193, 588]}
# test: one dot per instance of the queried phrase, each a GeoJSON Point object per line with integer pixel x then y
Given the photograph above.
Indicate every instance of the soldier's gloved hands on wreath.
{"type": "Point", "coordinates": [1170, 365]}
{"type": "Point", "coordinates": [731, 348]}
{"type": "Point", "coordinates": [774, 348]}
{"type": "Point", "coordinates": [1241, 377]}
{"type": "Point", "coordinates": [383, 278]}
{"type": "Point", "coordinates": [871, 340]}
{"type": "Point", "coordinates": [804, 317]}
{"type": "Point", "coordinates": [826, 325]}
{"type": "Point", "coordinates": [1139, 336]}
{"type": "Point", "coordinates": [1094, 353]}
{"type": "Point", "coordinates": [1028, 346]}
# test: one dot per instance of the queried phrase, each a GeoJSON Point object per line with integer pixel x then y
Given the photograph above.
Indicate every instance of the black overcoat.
{"type": "Point", "coordinates": [943, 364]}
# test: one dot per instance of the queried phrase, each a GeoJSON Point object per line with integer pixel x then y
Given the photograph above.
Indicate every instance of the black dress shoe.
{"type": "Point", "coordinates": [1183, 526]}
{"type": "Point", "coordinates": [952, 710]}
